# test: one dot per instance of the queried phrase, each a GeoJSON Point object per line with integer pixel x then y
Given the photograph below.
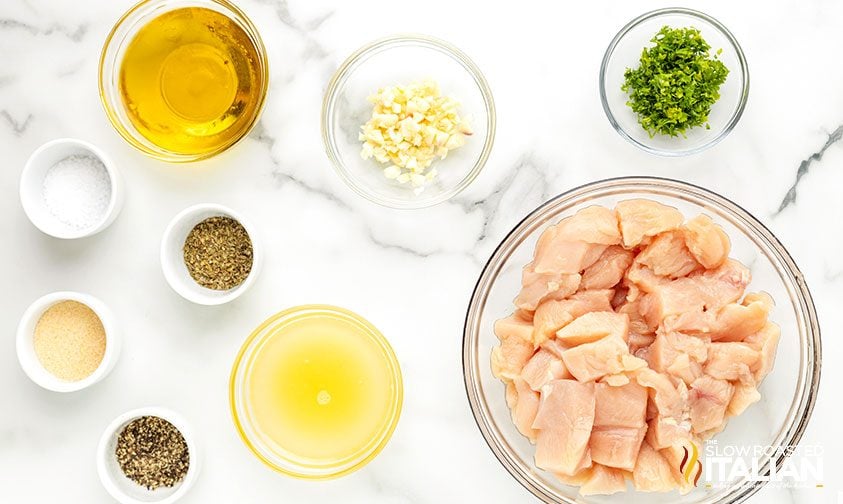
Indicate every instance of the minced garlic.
{"type": "Point", "coordinates": [410, 127]}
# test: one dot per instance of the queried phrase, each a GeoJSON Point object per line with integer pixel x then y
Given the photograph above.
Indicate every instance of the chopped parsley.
{"type": "Point", "coordinates": [676, 82]}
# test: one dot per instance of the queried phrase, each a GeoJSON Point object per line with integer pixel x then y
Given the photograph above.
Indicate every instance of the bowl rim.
{"type": "Point", "coordinates": [114, 179]}
{"type": "Point", "coordinates": [24, 341]}
{"type": "Point", "coordinates": [800, 410]}
{"type": "Point", "coordinates": [736, 114]}
{"type": "Point", "coordinates": [379, 339]}
{"type": "Point", "coordinates": [351, 62]}
{"type": "Point", "coordinates": [179, 422]}
{"type": "Point", "coordinates": [166, 258]}
{"type": "Point", "coordinates": [232, 11]}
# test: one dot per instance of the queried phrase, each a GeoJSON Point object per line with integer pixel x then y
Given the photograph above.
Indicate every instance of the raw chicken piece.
{"type": "Point", "coordinates": [603, 481]}
{"type": "Point", "coordinates": [616, 446]}
{"type": "Point", "coordinates": [652, 472]}
{"type": "Point", "coordinates": [559, 253]}
{"type": "Point", "coordinates": [745, 396]}
{"type": "Point", "coordinates": [515, 349]}
{"type": "Point", "coordinates": [594, 224]}
{"type": "Point", "coordinates": [623, 406]}
{"type": "Point", "coordinates": [765, 341]}
{"type": "Point", "coordinates": [525, 409]}
{"type": "Point", "coordinates": [667, 398]}
{"type": "Point", "coordinates": [564, 420]}
{"type": "Point", "coordinates": [543, 368]}
{"type": "Point", "coordinates": [513, 326]}
{"type": "Point", "coordinates": [511, 394]}
{"type": "Point", "coordinates": [668, 256]}
{"type": "Point", "coordinates": [664, 432]}
{"type": "Point", "coordinates": [609, 269]}
{"type": "Point", "coordinates": [668, 346]}
{"type": "Point", "coordinates": [553, 315]}
{"type": "Point", "coordinates": [709, 290]}
{"type": "Point", "coordinates": [709, 399]}
{"type": "Point", "coordinates": [643, 279]}
{"type": "Point", "coordinates": [731, 361]}
{"type": "Point", "coordinates": [640, 218]}
{"type": "Point", "coordinates": [607, 356]}
{"type": "Point", "coordinates": [734, 322]}
{"type": "Point", "coordinates": [537, 287]}
{"type": "Point", "coordinates": [593, 326]}
{"type": "Point", "coordinates": [554, 347]}
{"type": "Point", "coordinates": [706, 241]}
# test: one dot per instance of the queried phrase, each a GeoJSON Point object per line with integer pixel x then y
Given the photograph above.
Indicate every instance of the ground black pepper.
{"type": "Point", "coordinates": [218, 253]}
{"type": "Point", "coordinates": [152, 452]}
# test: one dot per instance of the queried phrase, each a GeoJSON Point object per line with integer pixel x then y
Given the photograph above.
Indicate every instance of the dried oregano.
{"type": "Point", "coordinates": [218, 253]}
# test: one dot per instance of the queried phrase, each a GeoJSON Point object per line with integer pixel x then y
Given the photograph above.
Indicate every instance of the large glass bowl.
{"type": "Point", "coordinates": [625, 51]}
{"type": "Point", "coordinates": [402, 59]}
{"type": "Point", "coordinates": [788, 392]}
{"type": "Point", "coordinates": [114, 49]}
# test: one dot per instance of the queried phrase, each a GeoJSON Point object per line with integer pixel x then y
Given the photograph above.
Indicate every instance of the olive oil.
{"type": "Point", "coordinates": [192, 81]}
{"type": "Point", "coordinates": [322, 390]}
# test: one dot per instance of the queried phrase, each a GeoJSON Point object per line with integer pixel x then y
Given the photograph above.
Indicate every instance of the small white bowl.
{"type": "Point", "coordinates": [26, 350]}
{"type": "Point", "coordinates": [172, 255]}
{"type": "Point", "coordinates": [32, 184]}
{"type": "Point", "coordinates": [127, 491]}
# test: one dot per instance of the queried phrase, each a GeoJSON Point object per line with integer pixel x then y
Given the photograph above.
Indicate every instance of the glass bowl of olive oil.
{"type": "Point", "coordinates": [316, 392]}
{"type": "Point", "coordinates": [183, 80]}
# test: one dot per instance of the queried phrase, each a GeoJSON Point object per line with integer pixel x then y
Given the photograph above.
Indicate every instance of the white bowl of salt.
{"type": "Point", "coordinates": [70, 189]}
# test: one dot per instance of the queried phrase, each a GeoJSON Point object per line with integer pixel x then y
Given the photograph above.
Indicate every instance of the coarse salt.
{"type": "Point", "coordinates": [77, 191]}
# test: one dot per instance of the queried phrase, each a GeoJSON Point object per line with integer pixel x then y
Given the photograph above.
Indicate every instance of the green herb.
{"type": "Point", "coordinates": [152, 452]}
{"type": "Point", "coordinates": [676, 82]}
{"type": "Point", "coordinates": [218, 253]}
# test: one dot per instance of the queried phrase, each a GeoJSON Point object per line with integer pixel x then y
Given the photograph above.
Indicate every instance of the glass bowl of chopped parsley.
{"type": "Point", "coordinates": [674, 82]}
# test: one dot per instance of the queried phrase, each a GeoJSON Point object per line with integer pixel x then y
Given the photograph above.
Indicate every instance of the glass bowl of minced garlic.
{"type": "Point", "coordinates": [408, 121]}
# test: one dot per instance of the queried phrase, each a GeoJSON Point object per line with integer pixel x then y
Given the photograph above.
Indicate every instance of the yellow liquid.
{"type": "Point", "coordinates": [322, 390]}
{"type": "Point", "coordinates": [191, 81]}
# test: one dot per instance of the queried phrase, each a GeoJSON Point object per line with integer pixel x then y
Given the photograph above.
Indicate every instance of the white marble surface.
{"type": "Point", "coordinates": [410, 273]}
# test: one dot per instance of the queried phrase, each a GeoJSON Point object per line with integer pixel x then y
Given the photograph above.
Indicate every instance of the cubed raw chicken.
{"type": "Point", "coordinates": [565, 419]}
{"type": "Point", "coordinates": [745, 395]}
{"type": "Point", "coordinates": [706, 291]}
{"type": "Point", "coordinates": [623, 406]}
{"type": "Point", "coordinates": [652, 473]}
{"type": "Point", "coordinates": [594, 224]}
{"type": "Point", "coordinates": [606, 356]}
{"type": "Point", "coordinates": [515, 349]}
{"type": "Point", "coordinates": [537, 287]}
{"type": "Point", "coordinates": [525, 408]}
{"type": "Point", "coordinates": [665, 431]}
{"type": "Point", "coordinates": [616, 446]}
{"type": "Point", "coordinates": [709, 398]}
{"type": "Point", "coordinates": [558, 253]}
{"type": "Point", "coordinates": [706, 241]}
{"type": "Point", "coordinates": [603, 480]}
{"type": "Point", "coordinates": [640, 218]}
{"type": "Point", "coordinates": [765, 341]}
{"type": "Point", "coordinates": [609, 269]}
{"type": "Point", "coordinates": [732, 361]}
{"type": "Point", "coordinates": [668, 256]}
{"type": "Point", "coordinates": [594, 326]}
{"type": "Point", "coordinates": [552, 315]}
{"type": "Point", "coordinates": [734, 322]}
{"type": "Point", "coordinates": [543, 368]}
{"type": "Point", "coordinates": [629, 342]}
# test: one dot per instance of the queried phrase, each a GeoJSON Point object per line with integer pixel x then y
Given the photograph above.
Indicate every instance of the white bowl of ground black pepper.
{"type": "Point", "coordinates": [67, 341]}
{"type": "Point", "coordinates": [210, 254]}
{"type": "Point", "coordinates": [71, 189]}
{"type": "Point", "coordinates": [148, 455]}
